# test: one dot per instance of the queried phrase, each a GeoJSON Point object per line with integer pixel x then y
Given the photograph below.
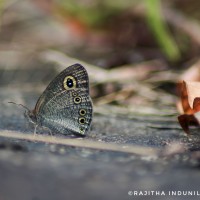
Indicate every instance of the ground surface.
{"type": "Point", "coordinates": [40, 170]}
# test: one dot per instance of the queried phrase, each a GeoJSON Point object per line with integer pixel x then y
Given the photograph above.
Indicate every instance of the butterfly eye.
{"type": "Point", "coordinates": [77, 100]}
{"type": "Point", "coordinates": [81, 120]}
{"type": "Point", "coordinates": [69, 82]}
{"type": "Point", "coordinates": [82, 112]}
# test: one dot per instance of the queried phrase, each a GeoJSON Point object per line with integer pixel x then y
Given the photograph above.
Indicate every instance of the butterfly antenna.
{"type": "Point", "coordinates": [19, 105]}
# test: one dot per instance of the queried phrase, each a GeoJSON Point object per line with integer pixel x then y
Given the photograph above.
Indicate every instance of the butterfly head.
{"type": "Point", "coordinates": [30, 115]}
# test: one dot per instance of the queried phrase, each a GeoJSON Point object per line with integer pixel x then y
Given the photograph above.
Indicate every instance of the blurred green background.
{"type": "Point", "coordinates": [111, 33]}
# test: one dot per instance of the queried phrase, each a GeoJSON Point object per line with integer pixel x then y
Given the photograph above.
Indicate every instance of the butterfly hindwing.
{"type": "Point", "coordinates": [65, 106]}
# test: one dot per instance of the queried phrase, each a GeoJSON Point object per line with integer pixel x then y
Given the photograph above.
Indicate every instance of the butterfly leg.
{"type": "Point", "coordinates": [35, 131]}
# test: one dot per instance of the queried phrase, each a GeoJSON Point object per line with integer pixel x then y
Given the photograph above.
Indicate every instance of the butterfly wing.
{"type": "Point", "coordinates": [65, 106]}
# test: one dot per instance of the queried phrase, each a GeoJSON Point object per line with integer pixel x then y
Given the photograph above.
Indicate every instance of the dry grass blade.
{"type": "Point", "coordinates": [84, 143]}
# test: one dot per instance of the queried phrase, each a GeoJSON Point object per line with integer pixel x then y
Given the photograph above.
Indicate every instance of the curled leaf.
{"type": "Point", "coordinates": [186, 121]}
{"type": "Point", "coordinates": [190, 100]}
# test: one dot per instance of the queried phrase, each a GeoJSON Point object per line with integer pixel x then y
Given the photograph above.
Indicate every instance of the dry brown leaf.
{"type": "Point", "coordinates": [190, 100]}
{"type": "Point", "coordinates": [189, 91]}
{"type": "Point", "coordinates": [193, 73]}
{"type": "Point", "coordinates": [186, 121]}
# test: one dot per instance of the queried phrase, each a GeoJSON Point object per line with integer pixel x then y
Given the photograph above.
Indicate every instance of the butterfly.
{"type": "Point", "coordinates": [65, 105]}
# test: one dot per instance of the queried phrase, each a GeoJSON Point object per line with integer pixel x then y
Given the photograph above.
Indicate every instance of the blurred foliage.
{"type": "Point", "coordinates": [97, 13]}
{"type": "Point", "coordinates": [2, 2]}
{"type": "Point", "coordinates": [94, 13]}
{"type": "Point", "coordinates": [160, 30]}
{"type": "Point", "coordinates": [134, 35]}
